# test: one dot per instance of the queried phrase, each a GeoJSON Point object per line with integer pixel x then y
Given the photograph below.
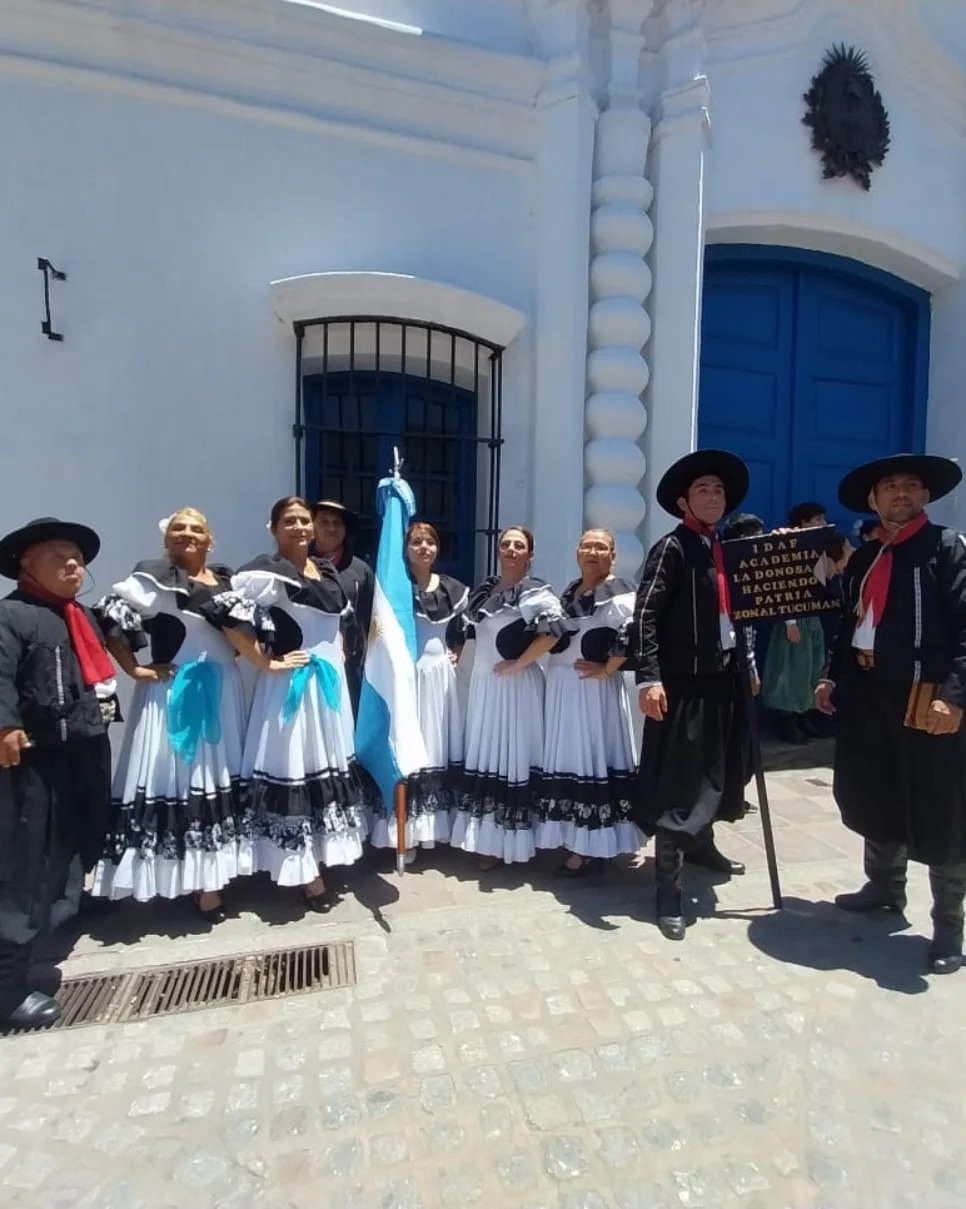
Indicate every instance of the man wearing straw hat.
{"type": "Point", "coordinates": [56, 697]}
{"type": "Point", "coordinates": [897, 677]}
{"type": "Point", "coordinates": [694, 755]}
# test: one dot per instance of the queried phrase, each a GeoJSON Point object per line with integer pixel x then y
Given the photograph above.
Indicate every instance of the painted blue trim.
{"type": "Point", "coordinates": [912, 296]}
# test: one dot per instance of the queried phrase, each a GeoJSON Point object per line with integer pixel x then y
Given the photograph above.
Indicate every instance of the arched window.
{"type": "Point", "coordinates": [369, 384]}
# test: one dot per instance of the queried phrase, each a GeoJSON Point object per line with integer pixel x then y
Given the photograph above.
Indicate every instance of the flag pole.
{"type": "Point", "coordinates": [400, 805]}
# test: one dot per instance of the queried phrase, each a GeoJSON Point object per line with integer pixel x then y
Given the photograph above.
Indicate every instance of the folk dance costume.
{"type": "Point", "coordinates": [300, 789]}
{"type": "Point", "coordinates": [431, 793]}
{"type": "Point", "coordinates": [901, 645]}
{"type": "Point", "coordinates": [57, 690]}
{"type": "Point", "coordinates": [589, 763]}
{"type": "Point", "coordinates": [693, 763]}
{"type": "Point", "coordinates": [792, 669]}
{"type": "Point", "coordinates": [504, 720]}
{"type": "Point", "coordinates": [175, 792]}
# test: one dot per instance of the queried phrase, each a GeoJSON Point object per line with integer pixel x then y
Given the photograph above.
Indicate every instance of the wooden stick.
{"type": "Point", "coordinates": [764, 810]}
{"type": "Point", "coordinates": [400, 827]}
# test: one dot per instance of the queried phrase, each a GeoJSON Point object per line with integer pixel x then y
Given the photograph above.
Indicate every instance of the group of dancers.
{"type": "Point", "coordinates": [213, 783]}
{"type": "Point", "coordinates": [206, 791]}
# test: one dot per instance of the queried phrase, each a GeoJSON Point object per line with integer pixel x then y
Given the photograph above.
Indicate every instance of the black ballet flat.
{"type": "Point", "coordinates": [321, 904]}
{"type": "Point", "coordinates": [213, 915]}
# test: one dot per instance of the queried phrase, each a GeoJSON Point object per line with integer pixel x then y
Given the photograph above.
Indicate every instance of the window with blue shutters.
{"type": "Point", "coordinates": [369, 385]}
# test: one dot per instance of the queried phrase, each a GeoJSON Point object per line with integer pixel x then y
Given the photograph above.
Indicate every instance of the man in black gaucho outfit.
{"type": "Point", "coordinates": [695, 752]}
{"type": "Point", "coordinates": [897, 678]}
{"type": "Point", "coordinates": [57, 695]}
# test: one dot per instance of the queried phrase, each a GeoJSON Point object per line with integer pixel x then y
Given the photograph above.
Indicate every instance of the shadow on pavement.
{"type": "Point", "coordinates": [818, 936]}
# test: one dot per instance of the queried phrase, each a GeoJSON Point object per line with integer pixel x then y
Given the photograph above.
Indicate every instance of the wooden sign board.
{"type": "Point", "coordinates": [779, 575]}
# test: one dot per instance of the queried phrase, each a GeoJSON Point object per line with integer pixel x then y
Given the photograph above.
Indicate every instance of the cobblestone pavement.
{"type": "Point", "coordinates": [518, 1042]}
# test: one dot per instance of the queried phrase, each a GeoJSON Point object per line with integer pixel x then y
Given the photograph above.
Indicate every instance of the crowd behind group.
{"type": "Point", "coordinates": [213, 782]}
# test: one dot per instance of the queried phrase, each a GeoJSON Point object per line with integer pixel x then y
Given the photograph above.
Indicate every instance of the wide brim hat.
{"type": "Point", "coordinates": [349, 518]}
{"type": "Point", "coordinates": [939, 476]}
{"type": "Point", "coordinates": [45, 529]}
{"type": "Point", "coordinates": [677, 480]}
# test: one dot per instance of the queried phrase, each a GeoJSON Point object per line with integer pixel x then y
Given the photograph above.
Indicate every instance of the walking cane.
{"type": "Point", "coordinates": [764, 810]}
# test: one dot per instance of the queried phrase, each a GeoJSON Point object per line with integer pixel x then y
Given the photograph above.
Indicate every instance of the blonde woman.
{"type": "Point", "coordinates": [174, 808]}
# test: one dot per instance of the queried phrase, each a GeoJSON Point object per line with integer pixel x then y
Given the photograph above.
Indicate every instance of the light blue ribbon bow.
{"type": "Point", "coordinates": [194, 707]}
{"type": "Point", "coordinates": [329, 683]}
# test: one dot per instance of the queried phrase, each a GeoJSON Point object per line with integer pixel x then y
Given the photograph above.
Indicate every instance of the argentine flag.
{"type": "Point", "coordinates": [389, 743]}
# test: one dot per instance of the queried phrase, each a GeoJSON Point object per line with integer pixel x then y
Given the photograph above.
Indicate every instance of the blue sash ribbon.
{"type": "Point", "coordinates": [194, 707]}
{"type": "Point", "coordinates": [330, 685]}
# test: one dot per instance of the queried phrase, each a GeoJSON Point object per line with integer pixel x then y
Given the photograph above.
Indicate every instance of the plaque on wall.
{"type": "Point", "coordinates": [849, 123]}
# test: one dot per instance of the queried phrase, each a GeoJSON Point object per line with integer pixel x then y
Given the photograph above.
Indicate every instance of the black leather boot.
{"type": "Point", "coordinates": [885, 867]}
{"type": "Point", "coordinates": [668, 862]}
{"type": "Point", "coordinates": [948, 884]}
{"type": "Point", "coordinates": [19, 1005]}
{"type": "Point", "coordinates": [704, 853]}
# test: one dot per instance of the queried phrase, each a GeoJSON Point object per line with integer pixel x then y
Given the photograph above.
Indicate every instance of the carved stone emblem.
{"type": "Point", "coordinates": [849, 123]}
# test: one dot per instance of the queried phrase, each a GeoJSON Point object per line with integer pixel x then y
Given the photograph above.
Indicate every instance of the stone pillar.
{"type": "Point", "coordinates": [620, 282]}
{"type": "Point", "coordinates": [680, 141]}
{"type": "Point", "coordinates": [561, 232]}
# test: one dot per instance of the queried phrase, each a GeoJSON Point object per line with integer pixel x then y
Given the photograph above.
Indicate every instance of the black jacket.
{"type": "Point", "coordinates": [41, 687]}
{"type": "Point", "coordinates": [922, 633]}
{"type": "Point", "coordinates": [359, 582]}
{"type": "Point", "coordinates": [677, 628]}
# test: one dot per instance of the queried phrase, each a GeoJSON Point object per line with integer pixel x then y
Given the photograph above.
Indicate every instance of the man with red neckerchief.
{"type": "Point", "coordinates": [897, 680]}
{"type": "Point", "coordinates": [694, 755]}
{"type": "Point", "coordinates": [57, 695]}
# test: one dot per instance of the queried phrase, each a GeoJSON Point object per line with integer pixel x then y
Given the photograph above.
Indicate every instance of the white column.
{"type": "Point", "coordinates": [620, 282]}
{"type": "Point", "coordinates": [561, 231]}
{"type": "Point", "coordinates": [680, 141]}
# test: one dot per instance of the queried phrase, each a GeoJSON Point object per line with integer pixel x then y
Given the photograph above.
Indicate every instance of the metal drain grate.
{"type": "Point", "coordinates": [195, 985]}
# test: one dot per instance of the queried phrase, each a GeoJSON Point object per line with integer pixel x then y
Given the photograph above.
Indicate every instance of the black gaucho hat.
{"type": "Point", "coordinates": [45, 529]}
{"type": "Point", "coordinates": [349, 518]}
{"type": "Point", "coordinates": [939, 476]}
{"type": "Point", "coordinates": [676, 481]}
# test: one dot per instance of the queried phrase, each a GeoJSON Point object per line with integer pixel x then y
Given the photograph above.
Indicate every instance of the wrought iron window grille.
{"type": "Point", "coordinates": [364, 385]}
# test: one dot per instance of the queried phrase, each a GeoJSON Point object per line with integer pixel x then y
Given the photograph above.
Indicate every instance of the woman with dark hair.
{"type": "Point", "coordinates": [516, 618]}
{"type": "Point", "coordinates": [440, 609]}
{"type": "Point", "coordinates": [300, 786]}
{"type": "Point", "coordinates": [175, 792]}
{"type": "Point", "coordinates": [589, 765]}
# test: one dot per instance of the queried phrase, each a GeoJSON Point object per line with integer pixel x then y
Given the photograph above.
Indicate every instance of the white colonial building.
{"type": "Point", "coordinates": [544, 246]}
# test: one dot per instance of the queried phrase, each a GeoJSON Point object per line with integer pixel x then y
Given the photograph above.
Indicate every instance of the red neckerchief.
{"type": "Point", "coordinates": [95, 664]}
{"type": "Point", "coordinates": [874, 590]}
{"type": "Point", "coordinates": [711, 533]}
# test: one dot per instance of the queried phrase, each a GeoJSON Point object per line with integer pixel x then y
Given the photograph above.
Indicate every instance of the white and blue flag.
{"type": "Point", "coordinates": [389, 743]}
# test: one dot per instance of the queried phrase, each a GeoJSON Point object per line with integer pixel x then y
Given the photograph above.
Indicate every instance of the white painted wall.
{"type": "Point", "coordinates": [946, 423]}
{"type": "Point", "coordinates": [761, 168]}
{"type": "Point", "coordinates": [175, 383]}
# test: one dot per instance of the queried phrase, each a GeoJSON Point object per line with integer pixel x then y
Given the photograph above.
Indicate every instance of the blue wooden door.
{"type": "Point", "coordinates": [810, 365]}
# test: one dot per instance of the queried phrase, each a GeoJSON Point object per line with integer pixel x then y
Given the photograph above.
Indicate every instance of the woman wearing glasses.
{"type": "Point", "coordinates": [589, 764]}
